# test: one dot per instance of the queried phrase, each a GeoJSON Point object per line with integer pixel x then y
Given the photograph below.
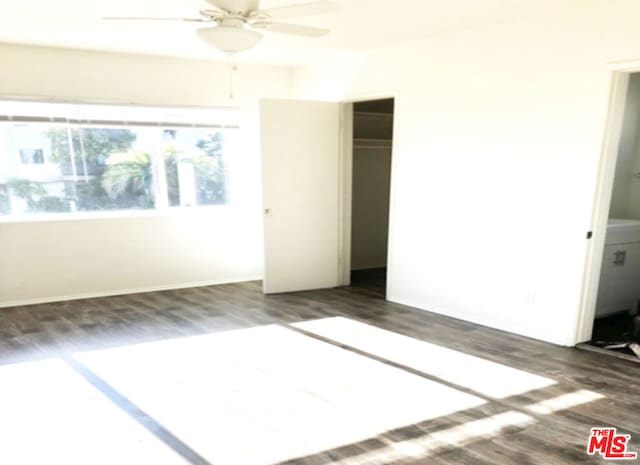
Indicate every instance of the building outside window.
{"type": "Point", "coordinates": [32, 156]}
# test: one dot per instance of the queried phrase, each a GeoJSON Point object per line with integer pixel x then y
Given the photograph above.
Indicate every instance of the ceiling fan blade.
{"type": "Point", "coordinates": [303, 9]}
{"type": "Point", "coordinates": [294, 29]}
{"type": "Point", "coordinates": [142, 18]}
{"type": "Point", "coordinates": [236, 6]}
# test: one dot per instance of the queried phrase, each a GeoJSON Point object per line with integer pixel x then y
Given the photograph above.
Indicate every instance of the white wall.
{"type": "Point", "coordinates": [625, 198]}
{"type": "Point", "coordinates": [43, 261]}
{"type": "Point", "coordinates": [631, 166]}
{"type": "Point", "coordinates": [498, 137]}
{"type": "Point", "coordinates": [633, 211]}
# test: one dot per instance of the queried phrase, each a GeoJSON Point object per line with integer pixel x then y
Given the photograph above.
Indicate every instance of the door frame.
{"type": "Point", "coordinates": [619, 84]}
{"type": "Point", "coordinates": [346, 182]}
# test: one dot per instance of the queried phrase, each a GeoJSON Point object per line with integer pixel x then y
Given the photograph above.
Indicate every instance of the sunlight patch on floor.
{"type": "Point", "coordinates": [258, 396]}
{"type": "Point", "coordinates": [469, 432]}
{"type": "Point", "coordinates": [483, 376]}
{"type": "Point", "coordinates": [50, 415]}
{"type": "Point", "coordinates": [457, 436]}
{"type": "Point", "coordinates": [563, 402]}
{"type": "Point", "coordinates": [262, 395]}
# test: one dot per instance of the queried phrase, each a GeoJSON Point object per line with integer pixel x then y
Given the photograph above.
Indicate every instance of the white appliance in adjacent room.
{"type": "Point", "coordinates": [620, 277]}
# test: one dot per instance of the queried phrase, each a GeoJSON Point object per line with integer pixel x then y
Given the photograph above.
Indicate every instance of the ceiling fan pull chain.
{"type": "Point", "coordinates": [232, 68]}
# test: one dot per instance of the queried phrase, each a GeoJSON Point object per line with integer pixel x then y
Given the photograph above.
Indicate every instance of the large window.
{"type": "Point", "coordinates": [64, 158]}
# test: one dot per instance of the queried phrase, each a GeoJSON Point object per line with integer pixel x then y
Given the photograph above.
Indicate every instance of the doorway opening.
{"type": "Point", "coordinates": [370, 193]}
{"type": "Point", "coordinates": [616, 320]}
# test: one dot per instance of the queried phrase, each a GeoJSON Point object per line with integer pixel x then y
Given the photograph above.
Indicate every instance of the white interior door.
{"type": "Point", "coordinates": [300, 163]}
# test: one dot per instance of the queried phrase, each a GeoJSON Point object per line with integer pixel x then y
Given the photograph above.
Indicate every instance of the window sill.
{"type": "Point", "coordinates": [112, 215]}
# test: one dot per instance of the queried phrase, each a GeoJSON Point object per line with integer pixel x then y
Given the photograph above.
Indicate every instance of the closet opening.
{"type": "Point", "coordinates": [370, 194]}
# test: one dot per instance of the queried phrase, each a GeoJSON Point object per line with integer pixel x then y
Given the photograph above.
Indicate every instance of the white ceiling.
{"type": "Point", "coordinates": [360, 24]}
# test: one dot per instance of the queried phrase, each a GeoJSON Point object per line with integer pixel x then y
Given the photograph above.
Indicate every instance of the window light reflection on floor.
{"type": "Point", "coordinates": [256, 396]}
{"type": "Point", "coordinates": [263, 395]}
{"type": "Point", "coordinates": [457, 436]}
{"type": "Point", "coordinates": [478, 374]}
{"type": "Point", "coordinates": [563, 402]}
{"type": "Point", "coordinates": [51, 415]}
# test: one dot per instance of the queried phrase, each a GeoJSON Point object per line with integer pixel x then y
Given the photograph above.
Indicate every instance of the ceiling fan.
{"type": "Point", "coordinates": [232, 25]}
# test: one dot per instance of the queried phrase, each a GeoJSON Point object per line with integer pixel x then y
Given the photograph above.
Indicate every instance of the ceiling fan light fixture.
{"type": "Point", "coordinates": [229, 39]}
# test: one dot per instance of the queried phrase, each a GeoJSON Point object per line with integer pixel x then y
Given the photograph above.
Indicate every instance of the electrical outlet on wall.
{"type": "Point", "coordinates": [531, 297]}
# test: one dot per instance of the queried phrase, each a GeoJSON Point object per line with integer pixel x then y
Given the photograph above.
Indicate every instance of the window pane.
{"type": "Point", "coordinates": [195, 167]}
{"type": "Point", "coordinates": [112, 169]}
{"type": "Point", "coordinates": [54, 168]}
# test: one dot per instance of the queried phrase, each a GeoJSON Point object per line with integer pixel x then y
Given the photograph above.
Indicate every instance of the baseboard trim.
{"type": "Point", "coordinates": [137, 290]}
{"type": "Point", "coordinates": [476, 321]}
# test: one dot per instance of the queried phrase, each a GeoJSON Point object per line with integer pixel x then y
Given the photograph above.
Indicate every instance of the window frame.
{"type": "Point", "coordinates": [162, 208]}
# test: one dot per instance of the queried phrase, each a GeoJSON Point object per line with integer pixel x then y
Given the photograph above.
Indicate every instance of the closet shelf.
{"type": "Point", "coordinates": [370, 114]}
{"type": "Point", "coordinates": [372, 143]}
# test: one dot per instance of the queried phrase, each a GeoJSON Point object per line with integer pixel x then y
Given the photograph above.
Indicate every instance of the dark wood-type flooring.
{"type": "Point", "coordinates": [60, 330]}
